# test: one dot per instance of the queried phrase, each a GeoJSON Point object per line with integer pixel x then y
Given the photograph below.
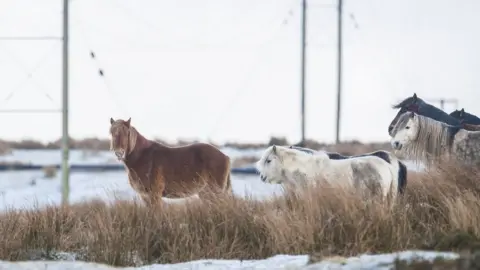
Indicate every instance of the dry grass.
{"type": "Point", "coordinates": [440, 211]}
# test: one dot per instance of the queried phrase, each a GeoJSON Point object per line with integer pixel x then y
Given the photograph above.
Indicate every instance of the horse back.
{"type": "Point", "coordinates": [199, 160]}
{"type": "Point", "coordinates": [383, 155]}
{"type": "Point", "coordinates": [336, 156]}
{"type": "Point", "coordinates": [380, 154]}
{"type": "Point", "coordinates": [303, 149]}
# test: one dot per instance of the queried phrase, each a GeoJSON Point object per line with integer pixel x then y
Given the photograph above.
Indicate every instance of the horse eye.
{"type": "Point", "coordinates": [269, 160]}
{"type": "Point", "coordinates": [407, 127]}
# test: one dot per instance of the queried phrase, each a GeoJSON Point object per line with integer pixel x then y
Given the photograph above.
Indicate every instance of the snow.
{"type": "Point", "coordinates": [290, 262]}
{"type": "Point", "coordinates": [53, 156]}
{"type": "Point", "coordinates": [27, 189]}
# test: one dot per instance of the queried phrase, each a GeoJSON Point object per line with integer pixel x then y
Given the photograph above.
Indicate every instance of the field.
{"type": "Point", "coordinates": [440, 211]}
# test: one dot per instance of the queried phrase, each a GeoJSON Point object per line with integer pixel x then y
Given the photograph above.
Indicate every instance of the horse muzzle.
{"type": "Point", "coordinates": [120, 155]}
{"type": "Point", "coordinates": [263, 178]}
{"type": "Point", "coordinates": [397, 145]}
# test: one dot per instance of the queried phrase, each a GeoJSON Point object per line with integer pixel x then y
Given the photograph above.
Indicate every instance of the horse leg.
{"type": "Point", "coordinates": [146, 199]}
{"type": "Point", "coordinates": [389, 195]}
{"type": "Point", "coordinates": [151, 200]}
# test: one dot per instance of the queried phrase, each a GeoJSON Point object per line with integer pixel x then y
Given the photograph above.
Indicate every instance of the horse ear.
{"type": "Point", "coordinates": [274, 149]}
{"type": "Point", "coordinates": [128, 122]}
{"type": "Point", "coordinates": [462, 111]}
{"type": "Point", "coordinates": [111, 121]}
{"type": "Point", "coordinates": [415, 97]}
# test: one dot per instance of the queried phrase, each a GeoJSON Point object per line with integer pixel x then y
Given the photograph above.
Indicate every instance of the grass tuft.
{"type": "Point", "coordinates": [440, 211]}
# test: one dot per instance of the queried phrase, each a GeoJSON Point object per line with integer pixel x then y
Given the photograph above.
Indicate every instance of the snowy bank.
{"type": "Point", "coordinates": [290, 262]}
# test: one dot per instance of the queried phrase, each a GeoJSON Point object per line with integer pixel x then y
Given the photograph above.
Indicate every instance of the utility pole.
{"type": "Point", "coordinates": [65, 173]}
{"type": "Point", "coordinates": [442, 102]}
{"type": "Point", "coordinates": [339, 71]}
{"type": "Point", "coordinates": [303, 68]}
{"type": "Point", "coordinates": [65, 137]}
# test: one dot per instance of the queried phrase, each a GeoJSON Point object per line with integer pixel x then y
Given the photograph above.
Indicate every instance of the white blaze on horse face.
{"type": "Point", "coordinates": [270, 167]}
{"type": "Point", "coordinates": [119, 150]}
{"type": "Point", "coordinates": [407, 133]}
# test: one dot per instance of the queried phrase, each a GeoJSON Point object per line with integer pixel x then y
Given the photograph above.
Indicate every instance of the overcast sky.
{"type": "Point", "coordinates": [229, 70]}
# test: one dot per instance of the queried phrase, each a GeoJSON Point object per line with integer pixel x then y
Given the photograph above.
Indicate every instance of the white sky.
{"type": "Point", "coordinates": [229, 70]}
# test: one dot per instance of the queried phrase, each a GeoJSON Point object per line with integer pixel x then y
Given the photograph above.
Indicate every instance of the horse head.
{"type": "Point", "coordinates": [465, 117]}
{"type": "Point", "coordinates": [410, 104]}
{"type": "Point", "coordinates": [121, 139]}
{"type": "Point", "coordinates": [458, 114]}
{"type": "Point", "coordinates": [276, 162]}
{"type": "Point", "coordinates": [405, 130]}
{"type": "Point", "coordinates": [418, 106]}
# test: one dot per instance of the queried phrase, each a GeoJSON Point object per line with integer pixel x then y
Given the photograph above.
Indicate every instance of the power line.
{"type": "Point", "coordinates": [231, 104]}
{"type": "Point", "coordinates": [100, 70]}
{"type": "Point", "coordinates": [29, 75]}
{"type": "Point", "coordinates": [32, 38]}
{"type": "Point", "coordinates": [128, 11]}
{"type": "Point", "coordinates": [30, 111]}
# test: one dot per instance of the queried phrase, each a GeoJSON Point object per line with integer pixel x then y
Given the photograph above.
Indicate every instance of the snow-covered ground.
{"type": "Point", "coordinates": [25, 189]}
{"type": "Point", "coordinates": [380, 261]}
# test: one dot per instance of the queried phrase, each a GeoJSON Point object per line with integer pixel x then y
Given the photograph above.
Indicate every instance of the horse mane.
{"type": "Point", "coordinates": [132, 139]}
{"type": "Point", "coordinates": [287, 152]}
{"type": "Point", "coordinates": [406, 102]}
{"type": "Point", "coordinates": [136, 142]}
{"type": "Point", "coordinates": [433, 140]}
{"type": "Point", "coordinates": [471, 127]}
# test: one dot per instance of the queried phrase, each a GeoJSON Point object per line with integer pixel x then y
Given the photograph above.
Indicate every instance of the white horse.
{"type": "Point", "coordinates": [283, 165]}
{"type": "Point", "coordinates": [398, 166]}
{"type": "Point", "coordinates": [428, 140]}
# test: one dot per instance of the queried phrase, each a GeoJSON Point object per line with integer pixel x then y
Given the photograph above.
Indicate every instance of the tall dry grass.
{"type": "Point", "coordinates": [440, 211]}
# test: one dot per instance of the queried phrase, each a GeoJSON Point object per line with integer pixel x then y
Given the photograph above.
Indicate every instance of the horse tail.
{"type": "Point", "coordinates": [402, 177]}
{"type": "Point", "coordinates": [228, 178]}
{"type": "Point", "coordinates": [401, 172]}
{"type": "Point", "coordinates": [228, 187]}
{"type": "Point", "coordinates": [394, 167]}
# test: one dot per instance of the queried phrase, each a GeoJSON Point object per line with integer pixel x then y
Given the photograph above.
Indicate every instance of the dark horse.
{"type": "Point", "coordinates": [417, 105]}
{"type": "Point", "coordinates": [156, 171]}
{"type": "Point", "coordinates": [386, 156]}
{"type": "Point", "coordinates": [465, 118]}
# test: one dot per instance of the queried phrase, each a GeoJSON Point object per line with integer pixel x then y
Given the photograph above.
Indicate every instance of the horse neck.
{"type": "Point", "coordinates": [439, 115]}
{"type": "Point", "coordinates": [141, 143]}
{"type": "Point", "coordinates": [472, 119]}
{"type": "Point", "coordinates": [433, 143]}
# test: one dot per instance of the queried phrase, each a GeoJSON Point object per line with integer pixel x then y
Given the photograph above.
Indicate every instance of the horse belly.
{"type": "Point", "coordinates": [179, 190]}
{"type": "Point", "coordinates": [181, 183]}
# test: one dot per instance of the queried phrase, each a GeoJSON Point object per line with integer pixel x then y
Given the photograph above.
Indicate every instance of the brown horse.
{"type": "Point", "coordinates": [470, 127]}
{"type": "Point", "coordinates": [156, 171]}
